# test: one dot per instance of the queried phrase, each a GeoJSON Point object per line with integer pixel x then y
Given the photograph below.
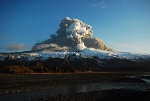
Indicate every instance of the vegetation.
{"type": "Point", "coordinates": [70, 63]}
{"type": "Point", "coordinates": [51, 65]}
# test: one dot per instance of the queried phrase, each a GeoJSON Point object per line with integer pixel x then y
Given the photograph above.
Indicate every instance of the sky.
{"type": "Point", "coordinates": [123, 25]}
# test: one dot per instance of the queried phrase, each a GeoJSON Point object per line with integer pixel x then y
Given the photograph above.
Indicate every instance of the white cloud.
{"type": "Point", "coordinates": [15, 47]}
{"type": "Point", "coordinates": [124, 1]}
{"type": "Point", "coordinates": [102, 5]}
{"type": "Point", "coordinates": [94, 5]}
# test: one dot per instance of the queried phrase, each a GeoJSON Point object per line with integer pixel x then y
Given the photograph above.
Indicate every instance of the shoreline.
{"type": "Point", "coordinates": [16, 83]}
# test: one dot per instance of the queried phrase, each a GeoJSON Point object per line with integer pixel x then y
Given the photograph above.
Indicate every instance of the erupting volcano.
{"type": "Point", "coordinates": [73, 34]}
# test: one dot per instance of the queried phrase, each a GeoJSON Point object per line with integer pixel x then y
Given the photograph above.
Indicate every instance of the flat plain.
{"type": "Point", "coordinates": [17, 83]}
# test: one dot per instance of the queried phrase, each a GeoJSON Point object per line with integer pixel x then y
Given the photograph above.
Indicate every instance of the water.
{"type": "Point", "coordinates": [132, 76]}
{"type": "Point", "coordinates": [146, 80]}
{"type": "Point", "coordinates": [142, 77]}
{"type": "Point", "coordinates": [79, 88]}
{"type": "Point", "coordinates": [74, 89]}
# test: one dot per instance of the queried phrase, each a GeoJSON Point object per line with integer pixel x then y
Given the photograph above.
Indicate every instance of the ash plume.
{"type": "Point", "coordinates": [15, 47]}
{"type": "Point", "coordinates": [73, 34]}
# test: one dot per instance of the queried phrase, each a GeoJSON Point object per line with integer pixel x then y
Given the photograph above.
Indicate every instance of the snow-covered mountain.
{"type": "Point", "coordinates": [101, 54]}
{"type": "Point", "coordinates": [87, 52]}
{"type": "Point", "coordinates": [88, 59]}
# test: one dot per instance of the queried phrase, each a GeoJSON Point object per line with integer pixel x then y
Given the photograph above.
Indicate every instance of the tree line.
{"type": "Point", "coordinates": [70, 63]}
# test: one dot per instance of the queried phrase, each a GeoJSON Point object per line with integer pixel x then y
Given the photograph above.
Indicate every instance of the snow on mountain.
{"type": "Point", "coordinates": [87, 52]}
{"type": "Point", "coordinates": [101, 54]}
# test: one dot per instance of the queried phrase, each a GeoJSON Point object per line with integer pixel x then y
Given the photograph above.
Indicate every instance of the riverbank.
{"type": "Point", "coordinates": [11, 84]}
{"type": "Point", "coordinates": [105, 95]}
{"type": "Point", "coordinates": [15, 83]}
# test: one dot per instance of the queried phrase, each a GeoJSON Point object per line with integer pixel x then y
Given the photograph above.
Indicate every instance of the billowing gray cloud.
{"type": "Point", "coordinates": [15, 47]}
{"type": "Point", "coordinates": [74, 34]}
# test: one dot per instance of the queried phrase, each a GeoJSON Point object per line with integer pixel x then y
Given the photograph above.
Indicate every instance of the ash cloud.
{"type": "Point", "coordinates": [73, 34]}
{"type": "Point", "coordinates": [15, 47]}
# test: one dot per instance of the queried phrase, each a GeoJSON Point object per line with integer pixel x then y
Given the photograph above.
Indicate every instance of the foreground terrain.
{"type": "Point", "coordinates": [11, 84]}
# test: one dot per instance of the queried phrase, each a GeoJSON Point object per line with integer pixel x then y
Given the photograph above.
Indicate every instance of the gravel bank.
{"type": "Point", "coordinates": [106, 95]}
{"type": "Point", "coordinates": [32, 82]}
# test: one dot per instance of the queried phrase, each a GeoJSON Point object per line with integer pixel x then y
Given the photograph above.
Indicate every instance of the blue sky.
{"type": "Point", "coordinates": [124, 25]}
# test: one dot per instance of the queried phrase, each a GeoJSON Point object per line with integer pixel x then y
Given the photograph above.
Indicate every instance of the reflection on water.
{"type": "Point", "coordinates": [132, 76]}
{"type": "Point", "coordinates": [143, 77]}
{"type": "Point", "coordinates": [146, 80]}
{"type": "Point", "coordinates": [79, 88]}
{"type": "Point", "coordinates": [74, 89]}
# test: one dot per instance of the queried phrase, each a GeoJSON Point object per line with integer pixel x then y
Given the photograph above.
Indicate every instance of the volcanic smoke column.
{"type": "Point", "coordinates": [72, 34]}
{"type": "Point", "coordinates": [78, 30]}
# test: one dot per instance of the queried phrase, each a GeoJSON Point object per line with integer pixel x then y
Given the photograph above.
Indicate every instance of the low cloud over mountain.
{"type": "Point", "coordinates": [15, 47]}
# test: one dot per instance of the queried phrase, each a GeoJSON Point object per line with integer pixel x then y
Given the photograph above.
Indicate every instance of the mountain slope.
{"type": "Point", "coordinates": [72, 61]}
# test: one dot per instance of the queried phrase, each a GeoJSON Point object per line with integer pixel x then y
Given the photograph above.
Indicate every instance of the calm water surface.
{"type": "Point", "coordinates": [78, 88]}
{"type": "Point", "coordinates": [74, 89]}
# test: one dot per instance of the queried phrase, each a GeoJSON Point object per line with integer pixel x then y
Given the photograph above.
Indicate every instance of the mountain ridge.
{"type": "Point", "coordinates": [88, 59]}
